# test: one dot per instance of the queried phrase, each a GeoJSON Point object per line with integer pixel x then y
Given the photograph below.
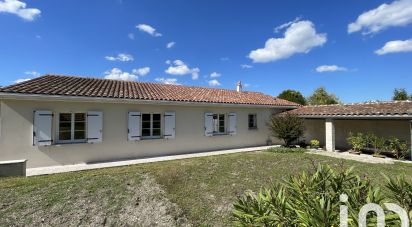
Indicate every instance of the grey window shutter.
{"type": "Point", "coordinates": [134, 129]}
{"type": "Point", "coordinates": [94, 127]}
{"type": "Point", "coordinates": [232, 123]}
{"type": "Point", "coordinates": [42, 128]}
{"type": "Point", "coordinates": [170, 125]}
{"type": "Point", "coordinates": [208, 124]}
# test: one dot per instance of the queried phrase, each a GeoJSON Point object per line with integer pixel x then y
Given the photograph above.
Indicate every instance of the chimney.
{"type": "Point", "coordinates": [239, 86]}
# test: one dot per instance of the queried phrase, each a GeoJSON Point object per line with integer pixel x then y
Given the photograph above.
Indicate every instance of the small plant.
{"type": "Point", "coordinates": [287, 127]}
{"type": "Point", "coordinates": [398, 148]}
{"type": "Point", "coordinates": [356, 141]}
{"type": "Point", "coordinates": [378, 145]}
{"type": "Point", "coordinates": [314, 144]}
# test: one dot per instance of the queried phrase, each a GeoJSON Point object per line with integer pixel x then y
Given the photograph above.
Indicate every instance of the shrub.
{"type": "Point", "coordinates": [306, 200]}
{"type": "Point", "coordinates": [286, 150]}
{"type": "Point", "coordinates": [314, 143]}
{"type": "Point", "coordinates": [287, 127]}
{"type": "Point", "coordinates": [398, 148]}
{"type": "Point", "coordinates": [400, 192]}
{"type": "Point", "coordinates": [356, 141]}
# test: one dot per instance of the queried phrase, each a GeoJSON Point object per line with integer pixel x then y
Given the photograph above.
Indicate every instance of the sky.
{"type": "Point", "coordinates": [359, 50]}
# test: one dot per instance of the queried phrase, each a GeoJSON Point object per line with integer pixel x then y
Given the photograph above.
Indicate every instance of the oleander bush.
{"type": "Point", "coordinates": [314, 199]}
{"type": "Point", "coordinates": [308, 199]}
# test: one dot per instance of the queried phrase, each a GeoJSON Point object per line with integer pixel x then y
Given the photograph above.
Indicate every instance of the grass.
{"type": "Point", "coordinates": [197, 192]}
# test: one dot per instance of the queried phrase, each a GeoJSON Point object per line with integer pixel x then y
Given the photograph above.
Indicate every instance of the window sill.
{"type": "Point", "coordinates": [152, 138]}
{"type": "Point", "coordinates": [221, 134]}
{"type": "Point", "coordinates": [68, 143]}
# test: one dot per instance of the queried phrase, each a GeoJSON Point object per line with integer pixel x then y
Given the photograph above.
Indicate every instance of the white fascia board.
{"type": "Point", "coordinates": [34, 97]}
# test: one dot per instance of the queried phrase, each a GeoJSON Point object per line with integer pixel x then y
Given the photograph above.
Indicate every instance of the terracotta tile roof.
{"type": "Point", "coordinates": [395, 108]}
{"type": "Point", "coordinates": [104, 88]}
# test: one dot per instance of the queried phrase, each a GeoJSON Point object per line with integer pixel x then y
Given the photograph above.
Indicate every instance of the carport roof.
{"type": "Point", "coordinates": [394, 109]}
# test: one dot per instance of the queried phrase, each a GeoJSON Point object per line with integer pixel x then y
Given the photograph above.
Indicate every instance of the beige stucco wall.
{"type": "Point", "coordinates": [315, 129]}
{"type": "Point", "coordinates": [16, 132]}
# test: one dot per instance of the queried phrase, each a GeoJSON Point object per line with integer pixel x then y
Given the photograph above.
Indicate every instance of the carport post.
{"type": "Point", "coordinates": [330, 134]}
{"type": "Point", "coordinates": [410, 134]}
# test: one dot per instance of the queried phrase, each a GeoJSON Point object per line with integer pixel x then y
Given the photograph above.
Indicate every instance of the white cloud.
{"type": "Point", "coordinates": [170, 45]}
{"type": "Point", "coordinates": [32, 73]}
{"type": "Point", "coordinates": [224, 59]}
{"type": "Point", "coordinates": [148, 29]}
{"type": "Point", "coordinates": [213, 83]}
{"type": "Point", "coordinates": [19, 8]}
{"type": "Point", "coordinates": [141, 71]}
{"type": "Point", "coordinates": [246, 66]}
{"type": "Point", "coordinates": [330, 68]}
{"type": "Point", "coordinates": [131, 36]}
{"type": "Point", "coordinates": [395, 46]}
{"type": "Point", "coordinates": [120, 57]}
{"type": "Point", "coordinates": [118, 74]}
{"type": "Point", "coordinates": [21, 80]}
{"type": "Point", "coordinates": [215, 75]}
{"type": "Point", "coordinates": [285, 25]}
{"type": "Point", "coordinates": [180, 68]}
{"type": "Point", "coordinates": [246, 85]}
{"type": "Point", "coordinates": [398, 13]}
{"type": "Point", "coordinates": [299, 37]}
{"type": "Point", "coordinates": [167, 80]}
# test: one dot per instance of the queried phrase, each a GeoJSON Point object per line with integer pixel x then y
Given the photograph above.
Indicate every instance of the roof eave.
{"type": "Point", "coordinates": [359, 117]}
{"type": "Point", "coordinates": [39, 97]}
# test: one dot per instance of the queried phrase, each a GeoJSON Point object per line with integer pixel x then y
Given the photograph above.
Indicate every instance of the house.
{"type": "Point", "coordinates": [60, 120]}
{"type": "Point", "coordinates": [331, 124]}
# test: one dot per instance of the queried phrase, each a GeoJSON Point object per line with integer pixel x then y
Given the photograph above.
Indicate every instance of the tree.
{"type": "Point", "coordinates": [321, 97]}
{"type": "Point", "coordinates": [293, 96]}
{"type": "Point", "coordinates": [400, 94]}
{"type": "Point", "coordinates": [287, 127]}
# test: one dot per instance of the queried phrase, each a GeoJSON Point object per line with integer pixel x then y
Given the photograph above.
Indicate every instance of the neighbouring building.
{"type": "Point", "coordinates": [60, 120]}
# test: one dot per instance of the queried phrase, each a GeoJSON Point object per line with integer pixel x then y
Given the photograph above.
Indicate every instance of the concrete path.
{"type": "Point", "coordinates": [86, 166]}
{"type": "Point", "coordinates": [360, 158]}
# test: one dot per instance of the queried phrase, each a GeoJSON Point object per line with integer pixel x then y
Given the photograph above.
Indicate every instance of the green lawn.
{"type": "Point", "coordinates": [196, 191]}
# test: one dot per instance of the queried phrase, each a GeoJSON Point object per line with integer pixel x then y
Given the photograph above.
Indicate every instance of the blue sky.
{"type": "Point", "coordinates": [341, 45]}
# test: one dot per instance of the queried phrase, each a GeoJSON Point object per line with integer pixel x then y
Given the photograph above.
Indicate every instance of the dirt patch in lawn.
{"type": "Point", "coordinates": [136, 201]}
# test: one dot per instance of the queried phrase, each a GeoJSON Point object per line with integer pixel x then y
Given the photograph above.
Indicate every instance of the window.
{"type": "Point", "coordinates": [252, 121]}
{"type": "Point", "coordinates": [151, 125]}
{"type": "Point", "coordinates": [219, 124]}
{"type": "Point", "coordinates": [72, 127]}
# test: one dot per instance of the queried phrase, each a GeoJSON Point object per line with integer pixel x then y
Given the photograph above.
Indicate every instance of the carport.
{"type": "Point", "coordinates": [331, 124]}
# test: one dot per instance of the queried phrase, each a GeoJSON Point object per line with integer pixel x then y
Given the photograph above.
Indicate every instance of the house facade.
{"type": "Point", "coordinates": [61, 120]}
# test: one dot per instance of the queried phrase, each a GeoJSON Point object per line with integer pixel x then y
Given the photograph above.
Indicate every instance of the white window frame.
{"type": "Point", "coordinates": [72, 140]}
{"type": "Point", "coordinates": [218, 124]}
{"type": "Point", "coordinates": [151, 126]}
{"type": "Point", "coordinates": [255, 121]}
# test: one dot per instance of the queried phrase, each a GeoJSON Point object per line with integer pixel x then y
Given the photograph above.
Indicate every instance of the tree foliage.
{"type": "Point", "coordinates": [400, 94]}
{"type": "Point", "coordinates": [293, 96]}
{"type": "Point", "coordinates": [287, 127]}
{"type": "Point", "coordinates": [321, 97]}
